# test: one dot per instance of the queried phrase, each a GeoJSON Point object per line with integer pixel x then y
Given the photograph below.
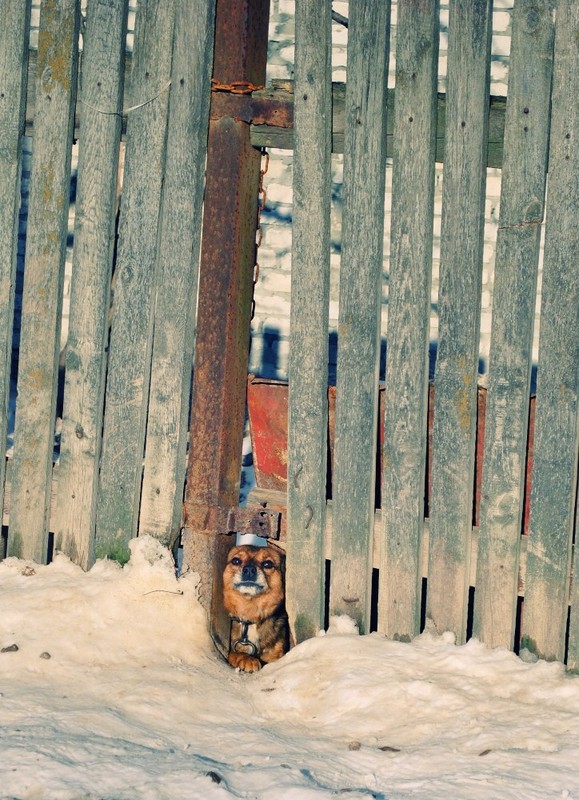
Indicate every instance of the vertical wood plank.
{"type": "Point", "coordinates": [100, 106]}
{"type": "Point", "coordinates": [135, 276]}
{"type": "Point", "coordinates": [515, 282]}
{"type": "Point", "coordinates": [557, 412]}
{"type": "Point", "coordinates": [573, 651]}
{"type": "Point", "coordinates": [405, 419]}
{"type": "Point", "coordinates": [176, 296]}
{"type": "Point", "coordinates": [43, 279]}
{"type": "Point", "coordinates": [359, 315]}
{"type": "Point", "coordinates": [310, 294]}
{"type": "Point", "coordinates": [463, 198]}
{"type": "Point", "coordinates": [13, 79]}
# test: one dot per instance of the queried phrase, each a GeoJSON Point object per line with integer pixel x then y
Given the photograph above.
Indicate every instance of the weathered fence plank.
{"type": "Point", "coordinates": [515, 284]}
{"type": "Point", "coordinates": [359, 314]}
{"type": "Point", "coordinates": [405, 417]}
{"type": "Point", "coordinates": [44, 273]}
{"type": "Point", "coordinates": [459, 308]}
{"type": "Point", "coordinates": [135, 276]}
{"type": "Point", "coordinates": [310, 295]}
{"type": "Point", "coordinates": [100, 103]}
{"type": "Point", "coordinates": [553, 494]}
{"type": "Point", "coordinates": [13, 75]}
{"type": "Point", "coordinates": [176, 294]}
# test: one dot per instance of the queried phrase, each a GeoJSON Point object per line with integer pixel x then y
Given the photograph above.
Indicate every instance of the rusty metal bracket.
{"type": "Point", "coordinates": [273, 106]}
{"type": "Point", "coordinates": [257, 520]}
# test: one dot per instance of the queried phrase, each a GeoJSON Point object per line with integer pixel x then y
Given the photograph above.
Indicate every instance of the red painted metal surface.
{"type": "Point", "coordinates": [267, 402]}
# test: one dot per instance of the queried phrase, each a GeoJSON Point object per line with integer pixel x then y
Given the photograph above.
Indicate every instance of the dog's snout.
{"type": "Point", "coordinates": [249, 572]}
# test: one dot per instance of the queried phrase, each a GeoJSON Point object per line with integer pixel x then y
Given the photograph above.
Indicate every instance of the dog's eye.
{"type": "Point", "coordinates": [268, 564]}
{"type": "Point", "coordinates": [236, 561]}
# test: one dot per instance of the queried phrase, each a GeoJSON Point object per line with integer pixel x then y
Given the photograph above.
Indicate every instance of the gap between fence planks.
{"type": "Point", "coordinates": [554, 492]}
{"type": "Point", "coordinates": [13, 72]}
{"type": "Point", "coordinates": [406, 413]}
{"type": "Point", "coordinates": [515, 283]}
{"type": "Point", "coordinates": [310, 291]}
{"type": "Point", "coordinates": [359, 314]}
{"type": "Point", "coordinates": [101, 87]}
{"type": "Point", "coordinates": [43, 282]}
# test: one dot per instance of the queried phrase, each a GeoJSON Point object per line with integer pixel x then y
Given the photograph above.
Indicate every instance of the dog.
{"type": "Point", "coordinates": [254, 597]}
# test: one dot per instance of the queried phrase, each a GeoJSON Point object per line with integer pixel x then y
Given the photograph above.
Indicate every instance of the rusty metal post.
{"type": "Point", "coordinates": [224, 309]}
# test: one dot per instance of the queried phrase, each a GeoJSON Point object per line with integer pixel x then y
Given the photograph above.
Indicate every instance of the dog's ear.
{"type": "Point", "coordinates": [281, 553]}
{"type": "Point", "coordinates": [274, 545]}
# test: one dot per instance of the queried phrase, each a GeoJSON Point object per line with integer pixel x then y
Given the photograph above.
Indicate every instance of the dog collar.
{"type": "Point", "coordinates": [244, 641]}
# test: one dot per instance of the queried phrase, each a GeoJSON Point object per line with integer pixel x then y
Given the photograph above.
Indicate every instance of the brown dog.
{"type": "Point", "coordinates": [253, 594]}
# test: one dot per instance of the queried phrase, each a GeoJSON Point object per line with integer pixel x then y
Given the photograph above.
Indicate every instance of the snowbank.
{"type": "Point", "coordinates": [111, 689]}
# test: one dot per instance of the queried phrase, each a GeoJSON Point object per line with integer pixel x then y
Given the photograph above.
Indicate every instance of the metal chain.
{"type": "Point", "coordinates": [261, 200]}
{"type": "Point", "coordinates": [244, 641]}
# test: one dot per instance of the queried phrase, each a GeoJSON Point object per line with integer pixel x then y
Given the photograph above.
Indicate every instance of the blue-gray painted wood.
{"type": "Point", "coordinates": [100, 106]}
{"type": "Point", "coordinates": [43, 280]}
{"type": "Point", "coordinates": [310, 292]}
{"type": "Point", "coordinates": [176, 293]}
{"type": "Point", "coordinates": [515, 282]}
{"type": "Point", "coordinates": [455, 409]}
{"type": "Point", "coordinates": [359, 314]}
{"type": "Point", "coordinates": [406, 407]}
{"type": "Point", "coordinates": [556, 442]}
{"type": "Point", "coordinates": [128, 375]}
{"type": "Point", "coordinates": [13, 75]}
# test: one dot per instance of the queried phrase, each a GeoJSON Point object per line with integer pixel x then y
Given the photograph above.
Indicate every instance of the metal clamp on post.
{"type": "Point", "coordinates": [226, 520]}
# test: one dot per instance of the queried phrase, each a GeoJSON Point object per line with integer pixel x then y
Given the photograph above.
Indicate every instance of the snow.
{"type": "Point", "coordinates": [116, 692]}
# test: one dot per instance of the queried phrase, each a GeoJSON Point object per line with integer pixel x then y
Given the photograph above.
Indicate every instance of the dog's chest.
{"type": "Point", "coordinates": [253, 634]}
{"type": "Point", "coordinates": [246, 634]}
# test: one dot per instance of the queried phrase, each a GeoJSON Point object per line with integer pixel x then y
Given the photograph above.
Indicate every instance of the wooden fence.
{"type": "Point", "coordinates": [540, 127]}
{"type": "Point", "coordinates": [121, 464]}
{"type": "Point", "coordinates": [102, 491]}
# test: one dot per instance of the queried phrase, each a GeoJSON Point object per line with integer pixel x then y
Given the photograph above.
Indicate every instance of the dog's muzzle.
{"type": "Point", "coordinates": [250, 581]}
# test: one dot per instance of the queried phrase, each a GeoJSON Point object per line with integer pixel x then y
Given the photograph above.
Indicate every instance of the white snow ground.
{"type": "Point", "coordinates": [115, 693]}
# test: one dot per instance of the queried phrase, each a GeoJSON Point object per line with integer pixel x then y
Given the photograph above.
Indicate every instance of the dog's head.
{"type": "Point", "coordinates": [253, 586]}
